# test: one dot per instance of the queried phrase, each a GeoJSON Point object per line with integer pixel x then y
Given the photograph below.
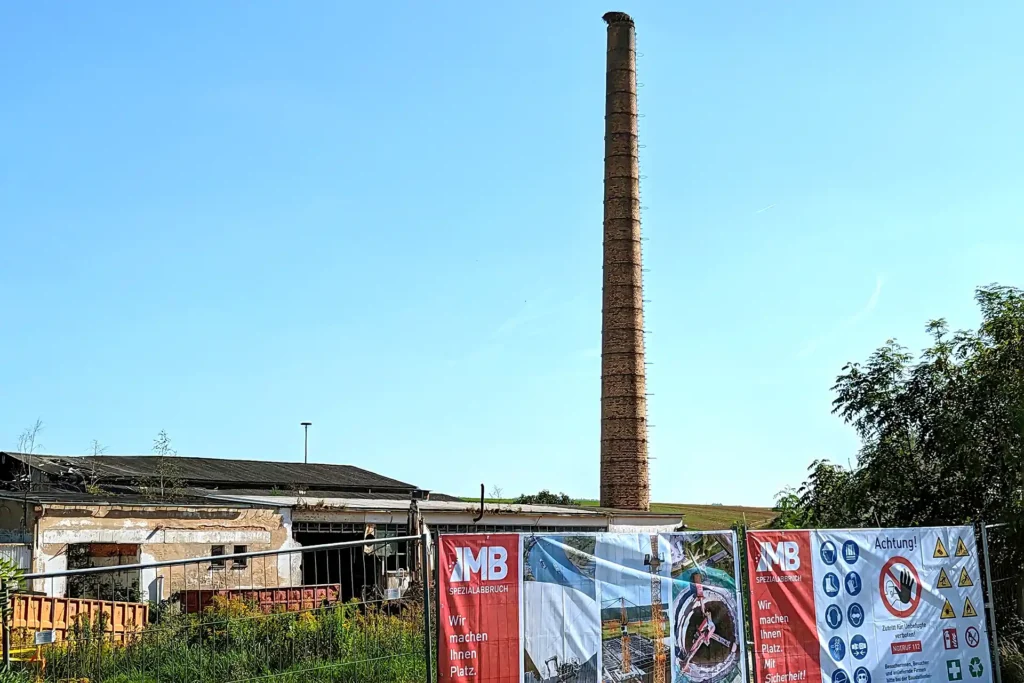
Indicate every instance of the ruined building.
{"type": "Point", "coordinates": [625, 481]}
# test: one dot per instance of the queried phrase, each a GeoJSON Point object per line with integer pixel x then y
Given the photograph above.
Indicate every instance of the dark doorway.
{"type": "Point", "coordinates": [342, 566]}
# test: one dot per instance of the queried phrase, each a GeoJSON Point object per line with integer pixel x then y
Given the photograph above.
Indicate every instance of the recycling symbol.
{"type": "Point", "coordinates": [976, 668]}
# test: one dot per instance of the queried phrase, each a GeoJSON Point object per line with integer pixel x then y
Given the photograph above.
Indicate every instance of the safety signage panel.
{"type": "Point", "coordinates": [591, 608]}
{"type": "Point", "coordinates": [867, 606]}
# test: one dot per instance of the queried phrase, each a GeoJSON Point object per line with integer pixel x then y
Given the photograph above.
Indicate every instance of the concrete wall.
{"type": "Point", "coordinates": [11, 513]}
{"type": "Point", "coordinates": [169, 533]}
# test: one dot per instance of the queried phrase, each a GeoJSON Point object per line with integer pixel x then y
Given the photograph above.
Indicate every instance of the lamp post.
{"type": "Point", "coordinates": [305, 448]}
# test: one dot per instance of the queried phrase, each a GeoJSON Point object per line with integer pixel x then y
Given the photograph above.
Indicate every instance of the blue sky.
{"type": "Point", "coordinates": [223, 219]}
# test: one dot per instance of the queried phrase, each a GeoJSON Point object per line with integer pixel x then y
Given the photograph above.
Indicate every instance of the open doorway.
{"type": "Point", "coordinates": [120, 586]}
{"type": "Point", "coordinates": [363, 572]}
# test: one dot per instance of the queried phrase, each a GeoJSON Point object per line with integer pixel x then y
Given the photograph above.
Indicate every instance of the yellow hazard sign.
{"type": "Point", "coordinates": [968, 609]}
{"type": "Point", "coordinates": [965, 579]}
{"type": "Point", "coordinates": [940, 550]}
{"type": "Point", "coordinates": [943, 581]}
{"type": "Point", "coordinates": [961, 548]}
{"type": "Point", "coordinates": [947, 611]}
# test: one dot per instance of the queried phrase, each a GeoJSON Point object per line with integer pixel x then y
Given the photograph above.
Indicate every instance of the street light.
{"type": "Point", "coordinates": [305, 449]}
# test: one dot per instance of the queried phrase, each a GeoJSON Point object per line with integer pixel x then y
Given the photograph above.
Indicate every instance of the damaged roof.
{"type": "Point", "coordinates": [216, 472]}
{"type": "Point", "coordinates": [118, 499]}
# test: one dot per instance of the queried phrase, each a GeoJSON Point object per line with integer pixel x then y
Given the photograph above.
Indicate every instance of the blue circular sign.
{"type": "Point", "coordinates": [853, 584]}
{"type": "Point", "coordinates": [856, 615]}
{"type": "Point", "coordinates": [830, 584]}
{"type": "Point", "coordinates": [837, 648]}
{"type": "Point", "coordinates": [861, 675]}
{"type": "Point", "coordinates": [851, 552]}
{"type": "Point", "coordinates": [858, 646]}
{"type": "Point", "coordinates": [840, 676]}
{"type": "Point", "coordinates": [828, 552]}
{"type": "Point", "coordinates": [834, 616]}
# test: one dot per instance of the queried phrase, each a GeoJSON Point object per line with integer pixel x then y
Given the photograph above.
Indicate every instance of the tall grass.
{"type": "Point", "coordinates": [1012, 661]}
{"type": "Point", "coordinates": [235, 641]}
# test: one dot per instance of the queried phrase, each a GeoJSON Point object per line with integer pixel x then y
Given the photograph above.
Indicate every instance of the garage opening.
{"type": "Point", "coordinates": [363, 572]}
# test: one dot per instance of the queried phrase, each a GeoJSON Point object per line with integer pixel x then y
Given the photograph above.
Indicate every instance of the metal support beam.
{"type": "Point", "coordinates": [991, 605]}
{"type": "Point", "coordinates": [428, 641]}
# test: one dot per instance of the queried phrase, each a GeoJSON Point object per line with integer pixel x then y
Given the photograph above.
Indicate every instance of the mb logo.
{"type": "Point", "coordinates": [490, 563]}
{"type": "Point", "coordinates": [785, 555]}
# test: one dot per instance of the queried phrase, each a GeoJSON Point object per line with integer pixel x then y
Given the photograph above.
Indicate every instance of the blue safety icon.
{"type": "Point", "coordinates": [830, 584]}
{"type": "Point", "coordinates": [834, 616]}
{"type": "Point", "coordinates": [837, 648]}
{"type": "Point", "coordinates": [856, 615]}
{"type": "Point", "coordinates": [858, 646]}
{"type": "Point", "coordinates": [828, 552]}
{"type": "Point", "coordinates": [840, 676]}
{"type": "Point", "coordinates": [851, 552]}
{"type": "Point", "coordinates": [852, 581]}
{"type": "Point", "coordinates": [861, 675]}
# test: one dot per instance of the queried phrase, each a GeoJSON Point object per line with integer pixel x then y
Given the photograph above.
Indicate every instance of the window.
{"type": "Point", "coordinates": [240, 562]}
{"type": "Point", "coordinates": [216, 550]}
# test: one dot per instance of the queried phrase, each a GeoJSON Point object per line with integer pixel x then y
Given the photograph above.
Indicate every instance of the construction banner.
{"type": "Point", "coordinates": [590, 608]}
{"type": "Point", "coordinates": [867, 606]}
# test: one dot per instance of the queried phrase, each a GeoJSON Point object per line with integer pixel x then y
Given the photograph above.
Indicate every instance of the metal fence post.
{"type": "Point", "coordinates": [425, 578]}
{"type": "Point", "coordinates": [5, 616]}
{"type": "Point", "coordinates": [994, 635]}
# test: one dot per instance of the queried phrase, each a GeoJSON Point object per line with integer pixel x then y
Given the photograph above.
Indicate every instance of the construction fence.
{"type": "Point", "coordinates": [350, 611]}
{"type": "Point", "coordinates": [567, 607]}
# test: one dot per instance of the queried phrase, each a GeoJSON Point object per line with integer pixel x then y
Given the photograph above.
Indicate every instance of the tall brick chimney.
{"type": "Point", "coordinates": [625, 482]}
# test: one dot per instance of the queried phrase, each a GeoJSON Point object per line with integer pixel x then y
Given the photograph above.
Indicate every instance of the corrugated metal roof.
{"type": "Point", "coordinates": [341, 495]}
{"type": "Point", "coordinates": [315, 500]}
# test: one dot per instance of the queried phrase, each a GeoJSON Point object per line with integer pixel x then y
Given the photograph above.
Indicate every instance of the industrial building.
{"type": "Point", "coordinates": [62, 512]}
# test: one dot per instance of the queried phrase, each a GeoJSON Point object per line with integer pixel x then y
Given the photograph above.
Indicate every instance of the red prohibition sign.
{"type": "Point", "coordinates": [915, 596]}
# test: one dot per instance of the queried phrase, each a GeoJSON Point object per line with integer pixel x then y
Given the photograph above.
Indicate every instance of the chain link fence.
{"type": "Point", "coordinates": [350, 611]}
{"type": "Point", "coordinates": [1004, 598]}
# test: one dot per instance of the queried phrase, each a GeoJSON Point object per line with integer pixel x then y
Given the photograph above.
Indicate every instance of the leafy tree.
{"type": "Point", "coordinates": [942, 436]}
{"type": "Point", "coordinates": [544, 497]}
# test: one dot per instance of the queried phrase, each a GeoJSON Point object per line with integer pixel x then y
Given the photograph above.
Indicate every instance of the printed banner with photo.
{"type": "Point", "coordinates": [592, 608]}
{"type": "Point", "coordinates": [868, 606]}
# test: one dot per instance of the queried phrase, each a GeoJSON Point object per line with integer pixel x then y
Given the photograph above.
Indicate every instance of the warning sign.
{"type": "Point", "coordinates": [900, 586]}
{"type": "Point", "coordinates": [899, 607]}
{"type": "Point", "coordinates": [965, 579]}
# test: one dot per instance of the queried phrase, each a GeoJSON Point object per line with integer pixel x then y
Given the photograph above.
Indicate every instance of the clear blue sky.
{"type": "Point", "coordinates": [221, 219]}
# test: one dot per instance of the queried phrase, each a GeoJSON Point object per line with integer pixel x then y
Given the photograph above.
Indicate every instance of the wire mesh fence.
{"type": "Point", "coordinates": [1004, 590]}
{"type": "Point", "coordinates": [350, 611]}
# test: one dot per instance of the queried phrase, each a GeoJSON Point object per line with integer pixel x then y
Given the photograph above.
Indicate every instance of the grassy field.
{"type": "Point", "coordinates": [697, 517]}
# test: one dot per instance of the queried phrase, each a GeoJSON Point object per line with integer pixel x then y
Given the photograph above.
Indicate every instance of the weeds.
{"type": "Point", "coordinates": [236, 641]}
{"type": "Point", "coordinates": [1012, 660]}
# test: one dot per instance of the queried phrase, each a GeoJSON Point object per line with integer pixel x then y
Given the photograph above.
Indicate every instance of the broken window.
{"type": "Point", "coordinates": [215, 563]}
{"type": "Point", "coordinates": [240, 562]}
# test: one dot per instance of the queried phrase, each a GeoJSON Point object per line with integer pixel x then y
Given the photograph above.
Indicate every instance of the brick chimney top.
{"type": "Point", "coordinates": [617, 18]}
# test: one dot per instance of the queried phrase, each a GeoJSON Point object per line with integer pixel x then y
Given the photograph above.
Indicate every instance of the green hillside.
{"type": "Point", "coordinates": [697, 517]}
